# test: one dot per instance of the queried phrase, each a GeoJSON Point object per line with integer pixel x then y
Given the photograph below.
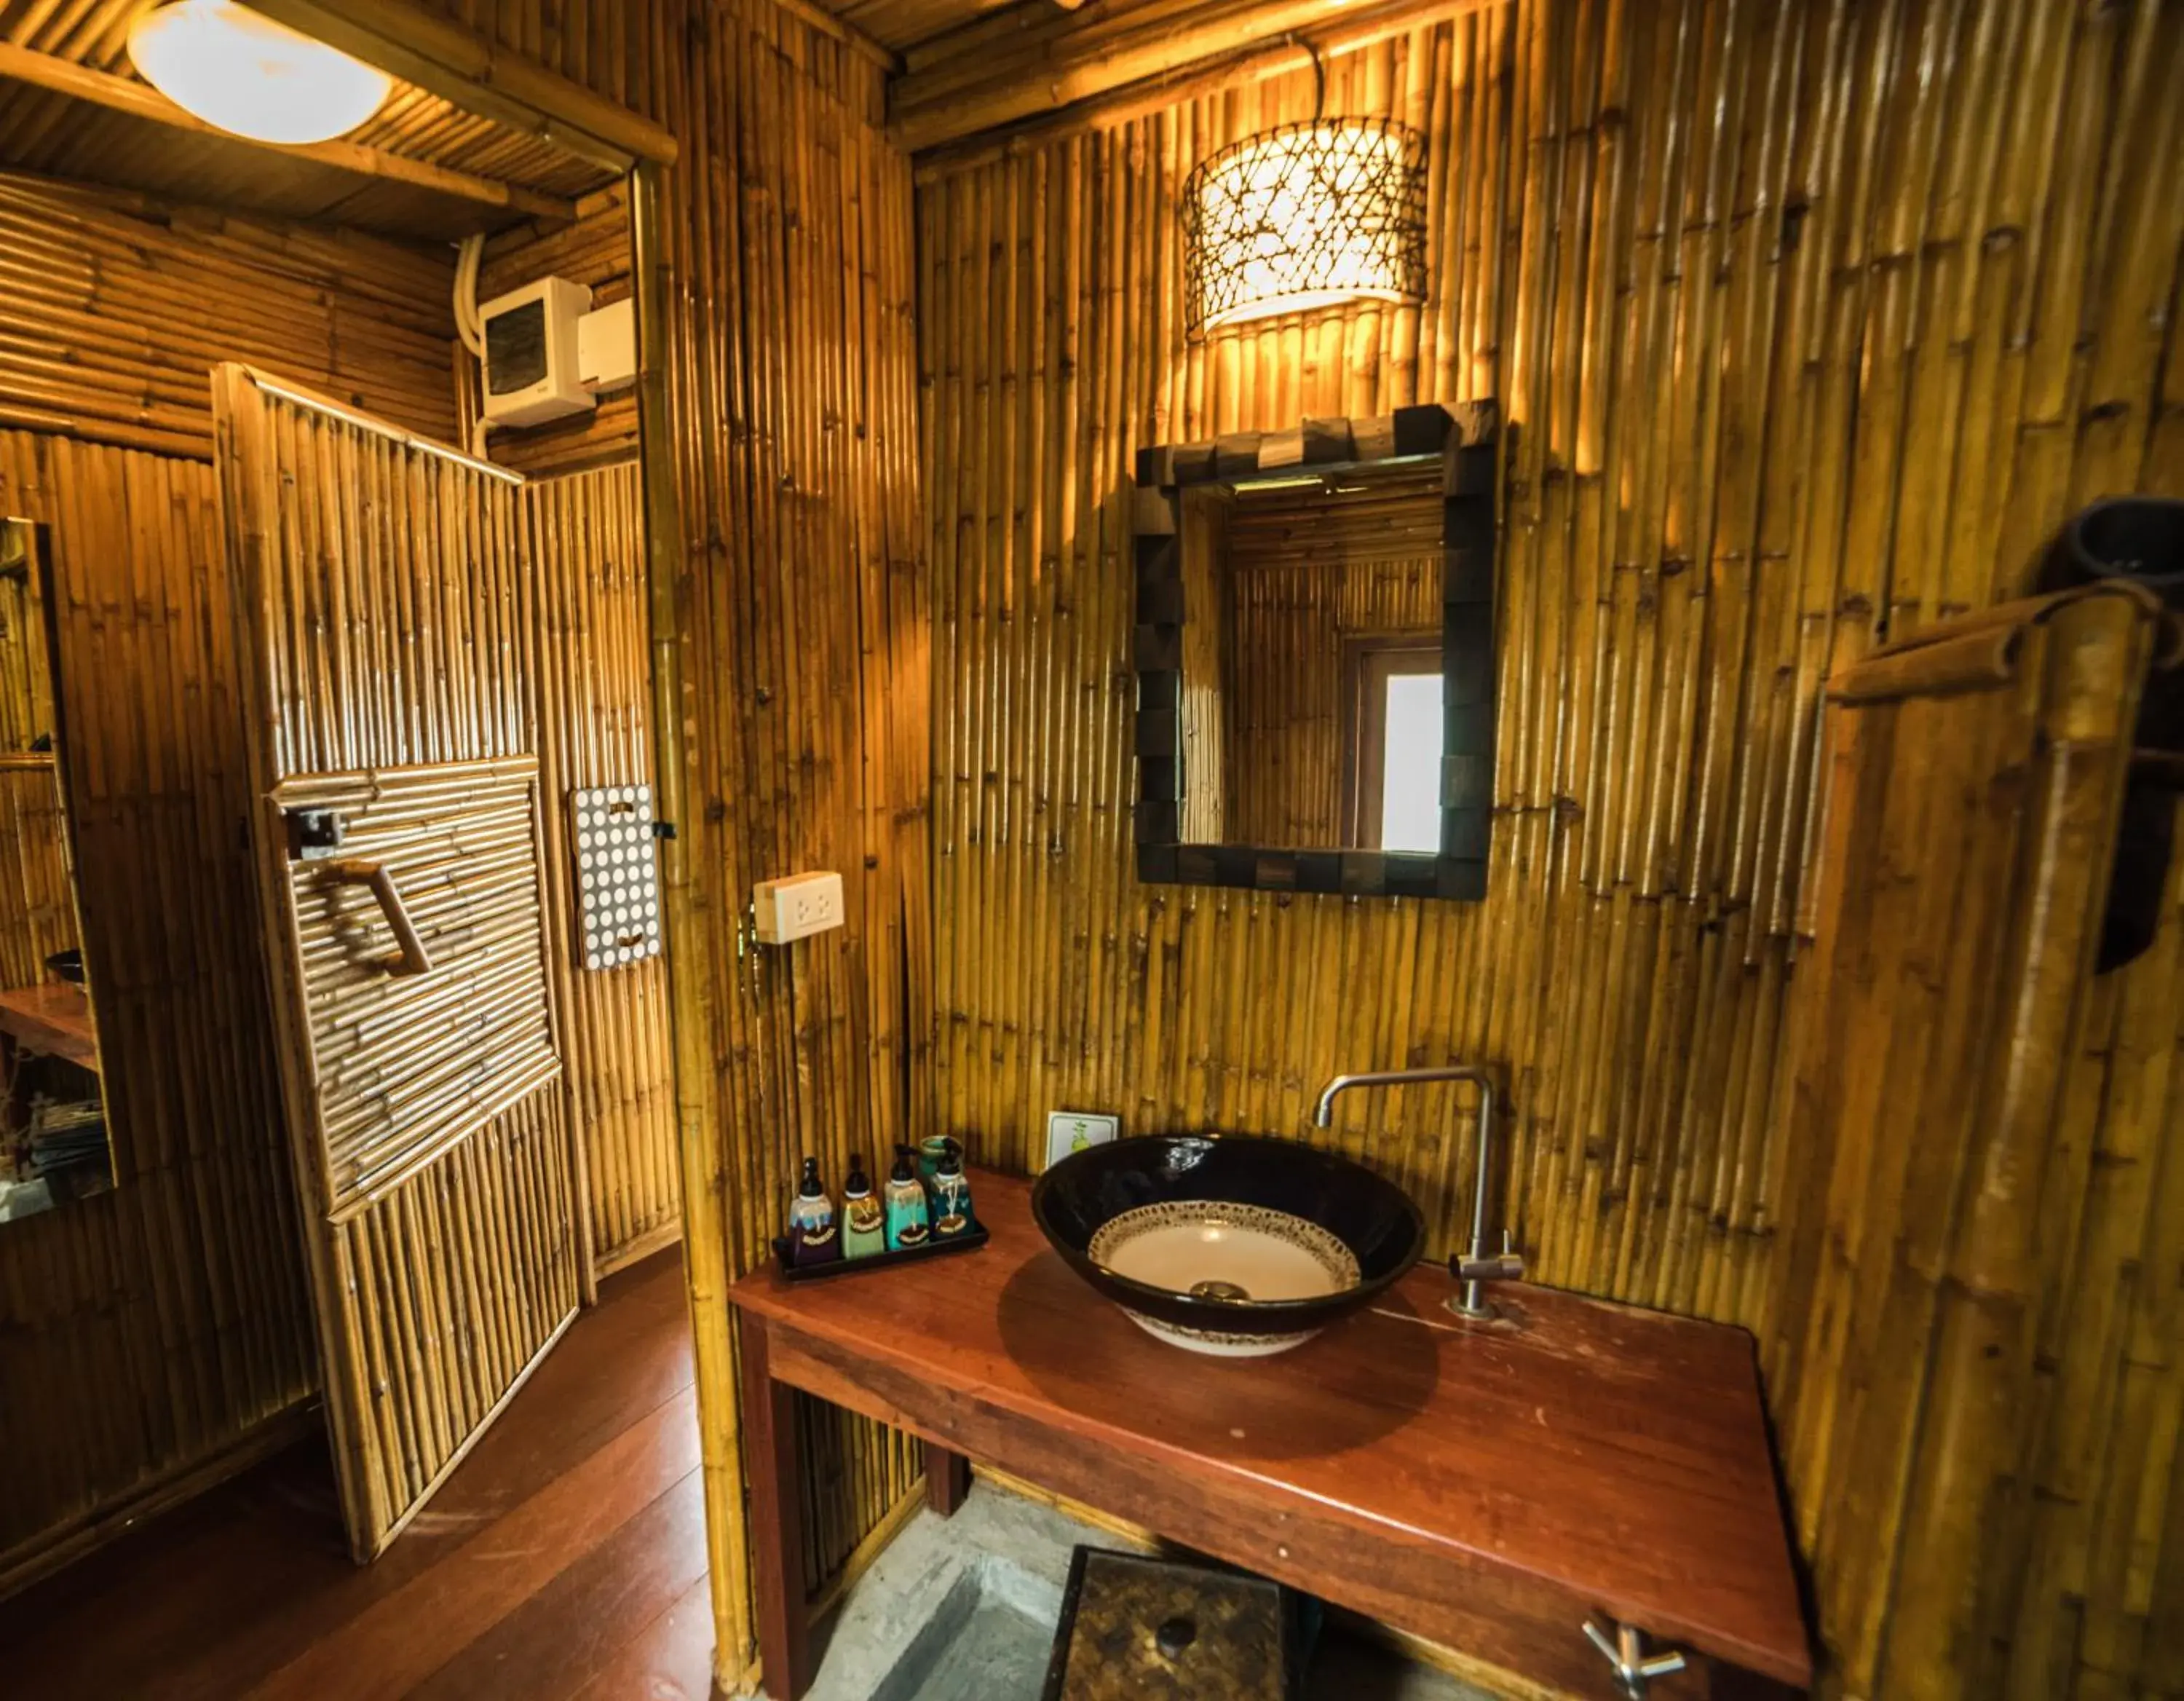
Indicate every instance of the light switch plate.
{"type": "Point", "coordinates": [796, 907]}
{"type": "Point", "coordinates": [1072, 1130]}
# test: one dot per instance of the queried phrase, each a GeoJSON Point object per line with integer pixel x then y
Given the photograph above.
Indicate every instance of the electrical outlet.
{"type": "Point", "coordinates": [796, 906]}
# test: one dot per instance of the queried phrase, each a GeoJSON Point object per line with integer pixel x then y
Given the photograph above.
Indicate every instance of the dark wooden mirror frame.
{"type": "Point", "coordinates": [1465, 437]}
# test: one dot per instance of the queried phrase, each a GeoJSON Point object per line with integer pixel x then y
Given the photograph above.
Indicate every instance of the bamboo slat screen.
{"type": "Point", "coordinates": [1972, 1327]}
{"type": "Point", "coordinates": [118, 306]}
{"type": "Point", "coordinates": [1807, 319]}
{"type": "Point", "coordinates": [409, 1068]}
{"type": "Point", "coordinates": [148, 1333]}
{"type": "Point", "coordinates": [395, 659]}
{"type": "Point", "coordinates": [586, 541]}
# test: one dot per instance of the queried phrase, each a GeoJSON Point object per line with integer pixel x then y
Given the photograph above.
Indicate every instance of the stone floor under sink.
{"type": "Point", "coordinates": [964, 1610]}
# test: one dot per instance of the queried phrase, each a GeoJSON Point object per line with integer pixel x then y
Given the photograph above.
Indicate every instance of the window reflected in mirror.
{"type": "Point", "coordinates": [53, 1144]}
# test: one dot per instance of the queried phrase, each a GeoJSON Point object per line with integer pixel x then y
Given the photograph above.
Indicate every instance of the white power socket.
{"type": "Point", "coordinates": [797, 906]}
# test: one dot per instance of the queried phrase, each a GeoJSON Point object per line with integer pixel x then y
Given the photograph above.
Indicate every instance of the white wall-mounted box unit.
{"type": "Point", "coordinates": [532, 373]}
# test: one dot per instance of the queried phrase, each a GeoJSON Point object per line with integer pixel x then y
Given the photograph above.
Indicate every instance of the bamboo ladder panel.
{"type": "Point", "coordinates": [162, 1324]}
{"type": "Point", "coordinates": [585, 538]}
{"type": "Point", "coordinates": [1884, 229]}
{"type": "Point", "coordinates": [1920, 1304]}
{"type": "Point", "coordinates": [392, 646]}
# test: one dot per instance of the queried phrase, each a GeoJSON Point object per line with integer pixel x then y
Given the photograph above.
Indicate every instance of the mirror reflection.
{"type": "Point", "coordinates": [53, 1130]}
{"type": "Point", "coordinates": [1312, 693]}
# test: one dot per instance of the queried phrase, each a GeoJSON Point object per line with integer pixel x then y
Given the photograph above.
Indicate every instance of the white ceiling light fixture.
{"type": "Point", "coordinates": [1307, 216]}
{"type": "Point", "coordinates": [246, 74]}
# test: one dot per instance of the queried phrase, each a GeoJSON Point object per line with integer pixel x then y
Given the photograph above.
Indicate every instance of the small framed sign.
{"type": "Point", "coordinates": [1072, 1130]}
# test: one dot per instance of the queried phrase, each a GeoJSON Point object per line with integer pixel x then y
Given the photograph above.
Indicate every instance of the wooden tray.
{"type": "Point", "coordinates": [975, 1237]}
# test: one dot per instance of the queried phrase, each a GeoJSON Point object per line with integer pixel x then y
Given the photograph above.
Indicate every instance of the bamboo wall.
{"type": "Point", "coordinates": [147, 1332]}
{"type": "Point", "coordinates": [119, 305]}
{"type": "Point", "coordinates": [1971, 1335]}
{"type": "Point", "coordinates": [147, 1336]}
{"type": "Point", "coordinates": [1809, 319]}
{"type": "Point", "coordinates": [586, 544]}
{"type": "Point", "coordinates": [791, 306]}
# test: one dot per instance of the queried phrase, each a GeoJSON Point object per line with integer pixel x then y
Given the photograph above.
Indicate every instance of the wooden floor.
{"type": "Point", "coordinates": [566, 1558]}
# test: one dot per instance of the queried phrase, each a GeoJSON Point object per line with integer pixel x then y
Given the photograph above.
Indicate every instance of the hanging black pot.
{"type": "Point", "coordinates": [2141, 539]}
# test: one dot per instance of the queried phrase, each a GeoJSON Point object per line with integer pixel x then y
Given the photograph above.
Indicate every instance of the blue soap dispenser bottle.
{"type": "Point", "coordinates": [951, 1197]}
{"type": "Point", "coordinates": [908, 1226]}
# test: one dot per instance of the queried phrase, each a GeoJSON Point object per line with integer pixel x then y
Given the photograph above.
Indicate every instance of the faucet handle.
{"type": "Point", "coordinates": [1624, 1647]}
{"type": "Point", "coordinates": [1504, 1266]}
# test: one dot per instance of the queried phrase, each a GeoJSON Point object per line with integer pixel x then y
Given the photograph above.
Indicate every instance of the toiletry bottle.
{"type": "Point", "coordinates": [864, 1224]}
{"type": "Point", "coordinates": [907, 1224]}
{"type": "Point", "coordinates": [951, 1197]}
{"type": "Point", "coordinates": [812, 1235]}
{"type": "Point", "coordinates": [929, 1151]}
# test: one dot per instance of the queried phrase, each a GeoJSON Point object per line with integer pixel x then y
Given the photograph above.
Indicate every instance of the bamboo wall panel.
{"type": "Point", "coordinates": [148, 1333]}
{"type": "Point", "coordinates": [586, 546]}
{"type": "Point", "coordinates": [792, 301]}
{"type": "Point", "coordinates": [1810, 320]}
{"type": "Point", "coordinates": [1963, 1350]}
{"type": "Point", "coordinates": [37, 911]}
{"type": "Point", "coordinates": [390, 632]}
{"type": "Point", "coordinates": [118, 306]}
{"type": "Point", "coordinates": [595, 251]}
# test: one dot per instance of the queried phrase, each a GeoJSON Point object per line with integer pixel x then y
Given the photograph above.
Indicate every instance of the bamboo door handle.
{"type": "Point", "coordinates": [357, 871]}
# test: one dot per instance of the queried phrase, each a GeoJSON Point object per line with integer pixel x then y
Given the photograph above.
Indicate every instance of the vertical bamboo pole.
{"type": "Point", "coordinates": [690, 991]}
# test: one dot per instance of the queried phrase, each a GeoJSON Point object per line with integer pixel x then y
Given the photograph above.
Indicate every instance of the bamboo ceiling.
{"type": "Point", "coordinates": [61, 135]}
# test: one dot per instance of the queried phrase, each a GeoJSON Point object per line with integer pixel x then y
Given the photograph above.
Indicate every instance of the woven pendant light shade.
{"type": "Point", "coordinates": [1309, 215]}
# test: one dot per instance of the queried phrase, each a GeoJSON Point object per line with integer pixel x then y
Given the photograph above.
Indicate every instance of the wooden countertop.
{"type": "Point", "coordinates": [54, 1017]}
{"type": "Point", "coordinates": [1610, 1456]}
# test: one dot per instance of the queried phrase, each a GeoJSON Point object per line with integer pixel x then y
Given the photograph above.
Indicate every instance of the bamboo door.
{"type": "Point", "coordinates": [380, 610]}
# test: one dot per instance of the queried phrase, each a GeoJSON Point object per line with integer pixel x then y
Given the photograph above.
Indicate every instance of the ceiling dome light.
{"type": "Point", "coordinates": [1309, 215]}
{"type": "Point", "coordinates": [251, 76]}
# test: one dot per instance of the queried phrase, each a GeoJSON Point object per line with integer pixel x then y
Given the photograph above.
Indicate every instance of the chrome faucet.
{"type": "Point", "coordinates": [1477, 1267]}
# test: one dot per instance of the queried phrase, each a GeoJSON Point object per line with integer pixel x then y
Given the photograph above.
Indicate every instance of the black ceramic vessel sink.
{"type": "Point", "coordinates": [1232, 1246]}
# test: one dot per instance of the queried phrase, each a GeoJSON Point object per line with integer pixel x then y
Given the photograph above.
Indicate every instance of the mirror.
{"type": "Point", "coordinates": [1316, 659]}
{"type": "Point", "coordinates": [53, 1147]}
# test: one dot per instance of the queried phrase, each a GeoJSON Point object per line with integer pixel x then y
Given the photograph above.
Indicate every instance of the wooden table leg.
{"type": "Point", "coordinates": [777, 1524]}
{"type": "Point", "coordinates": [947, 1479]}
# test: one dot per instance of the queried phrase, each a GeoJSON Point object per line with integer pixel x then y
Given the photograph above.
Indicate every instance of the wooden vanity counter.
{"type": "Point", "coordinates": [54, 1018]}
{"type": "Point", "coordinates": [1482, 1486]}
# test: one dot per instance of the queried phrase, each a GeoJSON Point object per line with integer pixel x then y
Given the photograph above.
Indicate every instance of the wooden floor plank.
{"type": "Point", "coordinates": [669, 1659]}
{"type": "Point", "coordinates": [401, 1639]}
{"type": "Point", "coordinates": [249, 1590]}
{"type": "Point", "coordinates": [560, 1638]}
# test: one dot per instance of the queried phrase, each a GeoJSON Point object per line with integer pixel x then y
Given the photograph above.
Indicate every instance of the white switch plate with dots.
{"type": "Point", "coordinates": [797, 906]}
